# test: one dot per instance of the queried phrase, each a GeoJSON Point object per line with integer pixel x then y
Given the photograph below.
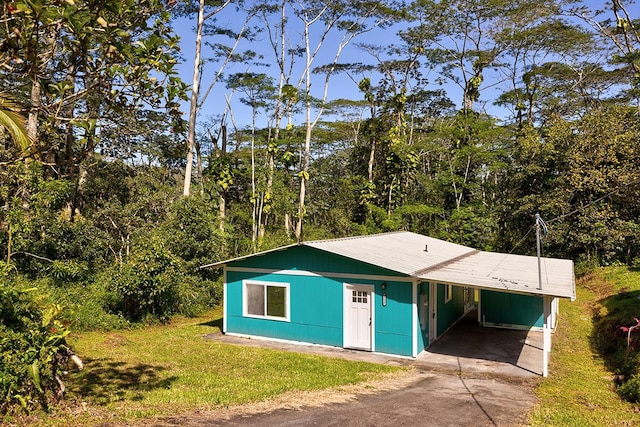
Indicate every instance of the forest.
{"type": "Point", "coordinates": [120, 177]}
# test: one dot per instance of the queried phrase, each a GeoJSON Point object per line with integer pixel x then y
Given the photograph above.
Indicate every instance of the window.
{"type": "Point", "coordinates": [268, 300]}
{"type": "Point", "coordinates": [448, 293]}
{"type": "Point", "coordinates": [359, 296]}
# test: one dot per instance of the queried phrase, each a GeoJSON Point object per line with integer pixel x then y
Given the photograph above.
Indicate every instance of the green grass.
{"type": "Point", "coordinates": [580, 389]}
{"type": "Point", "coordinates": [172, 369]}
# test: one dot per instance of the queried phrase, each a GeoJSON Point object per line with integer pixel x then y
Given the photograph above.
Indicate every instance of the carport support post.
{"type": "Point", "coordinates": [546, 335]}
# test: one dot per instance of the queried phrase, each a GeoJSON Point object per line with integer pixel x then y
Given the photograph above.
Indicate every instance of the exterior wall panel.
{"type": "Point", "coordinates": [316, 302]}
{"type": "Point", "coordinates": [449, 312]}
{"type": "Point", "coordinates": [511, 310]}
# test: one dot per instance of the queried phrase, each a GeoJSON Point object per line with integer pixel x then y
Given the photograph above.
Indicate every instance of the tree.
{"type": "Point", "coordinates": [13, 122]}
{"type": "Point", "coordinates": [259, 92]}
{"type": "Point", "coordinates": [223, 53]}
{"type": "Point", "coordinates": [81, 68]}
{"type": "Point", "coordinates": [622, 32]}
{"type": "Point", "coordinates": [350, 19]}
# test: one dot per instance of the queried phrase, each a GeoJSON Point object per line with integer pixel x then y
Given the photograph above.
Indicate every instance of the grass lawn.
{"type": "Point", "coordinates": [580, 389]}
{"type": "Point", "coordinates": [171, 369]}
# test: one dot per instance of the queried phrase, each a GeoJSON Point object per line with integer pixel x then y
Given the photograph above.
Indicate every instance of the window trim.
{"type": "Point", "coordinates": [448, 293]}
{"type": "Point", "coordinates": [265, 284]}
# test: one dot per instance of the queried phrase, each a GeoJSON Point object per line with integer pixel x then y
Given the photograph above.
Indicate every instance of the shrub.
{"type": "Point", "coordinates": [630, 390]}
{"type": "Point", "coordinates": [32, 340]}
{"type": "Point", "coordinates": [147, 285]}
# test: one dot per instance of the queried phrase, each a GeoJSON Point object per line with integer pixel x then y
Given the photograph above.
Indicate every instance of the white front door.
{"type": "Point", "coordinates": [358, 316]}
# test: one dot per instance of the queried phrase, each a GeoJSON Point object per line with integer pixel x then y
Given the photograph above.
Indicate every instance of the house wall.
{"type": "Point", "coordinates": [317, 299]}
{"type": "Point", "coordinates": [449, 312]}
{"type": "Point", "coordinates": [511, 310]}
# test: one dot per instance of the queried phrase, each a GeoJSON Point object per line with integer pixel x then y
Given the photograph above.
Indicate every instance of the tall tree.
{"type": "Point", "coordinates": [206, 26]}
{"type": "Point", "coordinates": [350, 20]}
{"type": "Point", "coordinates": [82, 68]}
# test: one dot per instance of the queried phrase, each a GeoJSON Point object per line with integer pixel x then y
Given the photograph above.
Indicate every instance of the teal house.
{"type": "Point", "coordinates": [393, 293]}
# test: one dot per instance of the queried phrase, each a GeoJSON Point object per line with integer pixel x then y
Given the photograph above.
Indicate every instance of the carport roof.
{"type": "Point", "coordinates": [429, 259]}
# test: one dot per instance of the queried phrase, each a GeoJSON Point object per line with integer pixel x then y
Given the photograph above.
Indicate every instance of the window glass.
{"type": "Point", "coordinates": [276, 301]}
{"type": "Point", "coordinates": [255, 300]}
{"type": "Point", "coordinates": [266, 299]}
{"type": "Point", "coordinates": [448, 293]}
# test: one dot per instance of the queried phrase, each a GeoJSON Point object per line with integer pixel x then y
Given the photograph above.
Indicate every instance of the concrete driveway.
{"type": "Point", "coordinates": [471, 348]}
{"type": "Point", "coordinates": [473, 376]}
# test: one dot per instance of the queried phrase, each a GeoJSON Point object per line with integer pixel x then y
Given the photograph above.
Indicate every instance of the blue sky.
{"type": "Point", "coordinates": [340, 87]}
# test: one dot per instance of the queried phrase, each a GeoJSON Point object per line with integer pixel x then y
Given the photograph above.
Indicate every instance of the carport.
{"type": "Point", "coordinates": [468, 348]}
{"type": "Point", "coordinates": [514, 291]}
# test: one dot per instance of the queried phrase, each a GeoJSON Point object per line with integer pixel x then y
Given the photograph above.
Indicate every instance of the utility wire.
{"type": "Point", "coordinates": [609, 194]}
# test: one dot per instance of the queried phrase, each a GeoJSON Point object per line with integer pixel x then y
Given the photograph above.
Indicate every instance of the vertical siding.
{"type": "Point", "coordinates": [305, 258]}
{"type": "Point", "coordinates": [449, 312]}
{"type": "Point", "coordinates": [316, 311]}
{"type": "Point", "coordinates": [513, 310]}
{"type": "Point", "coordinates": [393, 323]}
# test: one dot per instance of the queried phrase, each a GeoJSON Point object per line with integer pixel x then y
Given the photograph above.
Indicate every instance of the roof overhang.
{"type": "Point", "coordinates": [509, 273]}
{"type": "Point", "coordinates": [428, 259]}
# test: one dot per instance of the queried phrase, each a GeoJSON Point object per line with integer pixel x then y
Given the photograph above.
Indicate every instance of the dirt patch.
{"type": "Point", "coordinates": [115, 340]}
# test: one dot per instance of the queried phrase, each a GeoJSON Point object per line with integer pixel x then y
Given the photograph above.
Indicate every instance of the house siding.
{"type": "Point", "coordinates": [316, 301]}
{"type": "Point", "coordinates": [314, 316]}
{"type": "Point", "coordinates": [305, 258]}
{"type": "Point", "coordinates": [449, 312]}
{"type": "Point", "coordinates": [393, 323]}
{"type": "Point", "coordinates": [512, 310]}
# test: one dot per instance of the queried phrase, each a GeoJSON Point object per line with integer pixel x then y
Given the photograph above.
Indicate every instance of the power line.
{"type": "Point", "coordinates": [609, 194]}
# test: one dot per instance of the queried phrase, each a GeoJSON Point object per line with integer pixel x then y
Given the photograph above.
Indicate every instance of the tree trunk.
{"type": "Point", "coordinates": [222, 204]}
{"type": "Point", "coordinates": [191, 136]}
{"type": "Point", "coordinates": [36, 103]}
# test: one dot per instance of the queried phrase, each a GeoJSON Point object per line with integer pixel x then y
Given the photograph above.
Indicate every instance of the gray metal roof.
{"type": "Point", "coordinates": [430, 259]}
{"type": "Point", "coordinates": [403, 252]}
{"type": "Point", "coordinates": [451, 263]}
{"type": "Point", "coordinates": [507, 272]}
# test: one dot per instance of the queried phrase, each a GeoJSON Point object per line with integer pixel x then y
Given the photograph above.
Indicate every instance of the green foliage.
{"type": "Point", "coordinates": [191, 231]}
{"type": "Point", "coordinates": [31, 338]}
{"type": "Point", "coordinates": [147, 285]}
{"type": "Point", "coordinates": [616, 335]}
{"type": "Point", "coordinates": [579, 390]}
{"type": "Point", "coordinates": [630, 389]}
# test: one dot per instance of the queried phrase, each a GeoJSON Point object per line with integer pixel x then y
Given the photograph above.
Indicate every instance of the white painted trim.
{"type": "Point", "coordinates": [287, 308]}
{"type": "Point", "coordinates": [546, 339]}
{"type": "Point", "coordinates": [224, 300]}
{"type": "Point", "coordinates": [414, 319]}
{"type": "Point", "coordinates": [346, 294]}
{"type": "Point", "coordinates": [448, 293]}
{"type": "Point", "coordinates": [480, 317]}
{"type": "Point", "coordinates": [321, 274]}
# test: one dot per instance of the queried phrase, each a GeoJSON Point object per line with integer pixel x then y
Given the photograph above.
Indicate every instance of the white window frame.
{"type": "Point", "coordinates": [448, 293]}
{"type": "Point", "coordinates": [287, 303]}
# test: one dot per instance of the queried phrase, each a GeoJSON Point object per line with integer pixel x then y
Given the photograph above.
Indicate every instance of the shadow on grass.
{"type": "Point", "coordinates": [215, 323]}
{"type": "Point", "coordinates": [608, 340]}
{"type": "Point", "coordinates": [105, 380]}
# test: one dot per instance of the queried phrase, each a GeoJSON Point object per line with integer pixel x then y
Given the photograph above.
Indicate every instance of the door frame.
{"type": "Point", "coordinates": [346, 318]}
